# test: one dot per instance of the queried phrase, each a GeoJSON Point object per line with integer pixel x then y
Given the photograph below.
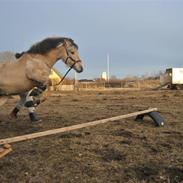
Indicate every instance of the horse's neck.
{"type": "Point", "coordinates": [51, 58]}
{"type": "Point", "coordinates": [49, 61]}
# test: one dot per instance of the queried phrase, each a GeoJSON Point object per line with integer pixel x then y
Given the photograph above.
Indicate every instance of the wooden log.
{"type": "Point", "coordinates": [71, 128]}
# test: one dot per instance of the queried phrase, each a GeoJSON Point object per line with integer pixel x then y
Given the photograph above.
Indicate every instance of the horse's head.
{"type": "Point", "coordinates": [57, 48]}
{"type": "Point", "coordinates": [70, 55]}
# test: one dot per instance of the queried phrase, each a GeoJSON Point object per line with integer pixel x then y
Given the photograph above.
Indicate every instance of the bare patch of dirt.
{"type": "Point", "coordinates": [120, 151]}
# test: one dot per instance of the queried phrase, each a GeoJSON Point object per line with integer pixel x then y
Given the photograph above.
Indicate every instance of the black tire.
{"type": "Point", "coordinates": [157, 118]}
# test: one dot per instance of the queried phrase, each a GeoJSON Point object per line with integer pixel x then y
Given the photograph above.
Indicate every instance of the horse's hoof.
{"type": "Point", "coordinates": [13, 114]}
{"type": "Point", "coordinates": [33, 117]}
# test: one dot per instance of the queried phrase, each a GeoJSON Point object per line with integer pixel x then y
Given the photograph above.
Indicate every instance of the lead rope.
{"type": "Point", "coordinates": [65, 75]}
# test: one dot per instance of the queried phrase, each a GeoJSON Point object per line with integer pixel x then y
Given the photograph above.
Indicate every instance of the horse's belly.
{"type": "Point", "coordinates": [18, 87]}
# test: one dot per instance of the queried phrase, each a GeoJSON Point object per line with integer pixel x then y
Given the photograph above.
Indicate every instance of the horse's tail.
{"type": "Point", "coordinates": [3, 100]}
{"type": "Point", "coordinates": [18, 55]}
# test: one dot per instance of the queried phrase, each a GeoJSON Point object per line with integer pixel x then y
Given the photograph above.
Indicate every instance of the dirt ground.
{"type": "Point", "coordinates": [120, 151]}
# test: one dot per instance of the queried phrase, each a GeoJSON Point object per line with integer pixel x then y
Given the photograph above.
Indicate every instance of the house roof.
{"type": "Point", "coordinates": [57, 72]}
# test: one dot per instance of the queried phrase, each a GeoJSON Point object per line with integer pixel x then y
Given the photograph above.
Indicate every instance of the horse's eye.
{"type": "Point", "coordinates": [72, 52]}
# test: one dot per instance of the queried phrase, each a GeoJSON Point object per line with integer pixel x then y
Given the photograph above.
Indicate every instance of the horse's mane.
{"type": "Point", "coordinates": [48, 44]}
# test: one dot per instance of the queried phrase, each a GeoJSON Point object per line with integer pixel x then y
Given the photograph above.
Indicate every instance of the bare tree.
{"type": "Point", "coordinates": [7, 56]}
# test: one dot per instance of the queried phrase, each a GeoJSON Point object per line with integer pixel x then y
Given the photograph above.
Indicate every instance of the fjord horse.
{"type": "Point", "coordinates": [28, 76]}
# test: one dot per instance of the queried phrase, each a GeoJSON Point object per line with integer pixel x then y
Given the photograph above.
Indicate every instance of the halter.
{"type": "Point", "coordinates": [74, 62]}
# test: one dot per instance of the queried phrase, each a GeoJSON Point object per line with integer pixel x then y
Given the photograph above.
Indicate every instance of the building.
{"type": "Point", "coordinates": [104, 76]}
{"type": "Point", "coordinates": [55, 79]}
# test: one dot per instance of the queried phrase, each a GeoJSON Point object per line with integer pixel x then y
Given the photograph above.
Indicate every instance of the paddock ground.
{"type": "Point", "coordinates": [120, 151]}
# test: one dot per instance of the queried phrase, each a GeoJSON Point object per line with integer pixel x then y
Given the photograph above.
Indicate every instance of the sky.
{"type": "Point", "coordinates": [142, 37]}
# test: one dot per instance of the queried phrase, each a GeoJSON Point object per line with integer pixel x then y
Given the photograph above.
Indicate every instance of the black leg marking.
{"type": "Point", "coordinates": [14, 112]}
{"type": "Point", "coordinates": [33, 117]}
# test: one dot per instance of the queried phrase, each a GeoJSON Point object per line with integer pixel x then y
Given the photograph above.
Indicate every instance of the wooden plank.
{"type": "Point", "coordinates": [71, 128]}
{"type": "Point", "coordinates": [5, 150]}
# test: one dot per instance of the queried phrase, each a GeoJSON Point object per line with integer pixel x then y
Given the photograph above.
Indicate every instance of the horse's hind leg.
{"type": "Point", "coordinates": [19, 105]}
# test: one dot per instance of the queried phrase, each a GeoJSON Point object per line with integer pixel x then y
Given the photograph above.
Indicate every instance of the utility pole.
{"type": "Point", "coordinates": [75, 81]}
{"type": "Point", "coordinates": [108, 65]}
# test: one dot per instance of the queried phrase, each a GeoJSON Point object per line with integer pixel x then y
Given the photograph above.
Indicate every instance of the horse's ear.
{"type": "Point", "coordinates": [62, 44]}
{"type": "Point", "coordinates": [65, 43]}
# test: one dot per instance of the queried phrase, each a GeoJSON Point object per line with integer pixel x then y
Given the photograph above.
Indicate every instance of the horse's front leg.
{"type": "Point", "coordinates": [18, 106]}
{"type": "Point", "coordinates": [38, 72]}
{"type": "Point", "coordinates": [33, 100]}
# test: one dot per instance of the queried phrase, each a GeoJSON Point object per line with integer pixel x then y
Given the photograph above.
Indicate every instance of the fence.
{"type": "Point", "coordinates": [93, 85]}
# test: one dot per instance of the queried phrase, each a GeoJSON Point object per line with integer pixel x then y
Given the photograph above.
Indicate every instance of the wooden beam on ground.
{"type": "Point", "coordinates": [71, 128]}
{"type": "Point", "coordinates": [5, 150]}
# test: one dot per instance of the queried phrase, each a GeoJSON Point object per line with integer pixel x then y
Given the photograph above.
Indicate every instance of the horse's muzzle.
{"type": "Point", "coordinates": [78, 67]}
{"type": "Point", "coordinates": [79, 70]}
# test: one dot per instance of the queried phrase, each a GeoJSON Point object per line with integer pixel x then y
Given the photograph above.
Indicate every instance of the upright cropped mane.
{"type": "Point", "coordinates": [48, 44]}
